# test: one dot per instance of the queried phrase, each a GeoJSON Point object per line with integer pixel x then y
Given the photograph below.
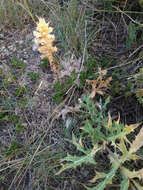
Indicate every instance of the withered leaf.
{"type": "Point", "coordinates": [99, 83]}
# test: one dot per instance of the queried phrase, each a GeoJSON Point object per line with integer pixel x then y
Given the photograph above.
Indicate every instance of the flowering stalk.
{"type": "Point", "coordinates": [44, 39]}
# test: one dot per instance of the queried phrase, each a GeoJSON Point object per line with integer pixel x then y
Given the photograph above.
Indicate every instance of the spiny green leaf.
{"type": "Point", "coordinates": [75, 161]}
{"type": "Point", "coordinates": [88, 127]}
{"type": "Point", "coordinates": [117, 136]}
{"type": "Point", "coordinates": [78, 145]}
{"type": "Point", "coordinates": [99, 175]}
{"type": "Point", "coordinates": [122, 134]}
{"type": "Point", "coordinates": [123, 147]}
{"type": "Point", "coordinates": [107, 180]}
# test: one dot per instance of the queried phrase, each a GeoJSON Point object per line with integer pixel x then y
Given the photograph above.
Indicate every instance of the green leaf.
{"type": "Point", "coordinates": [107, 180]}
{"type": "Point", "coordinates": [132, 35]}
{"type": "Point", "coordinates": [4, 116]}
{"type": "Point", "coordinates": [88, 128]}
{"type": "Point", "coordinates": [19, 128]}
{"type": "Point", "coordinates": [79, 145]}
{"type": "Point", "coordinates": [13, 149]}
{"type": "Point", "coordinates": [99, 175]}
{"type": "Point", "coordinates": [18, 64]}
{"type": "Point", "coordinates": [124, 184]}
{"type": "Point", "coordinates": [21, 91]}
{"type": "Point", "coordinates": [33, 76]}
{"type": "Point", "coordinates": [75, 161]}
{"type": "Point", "coordinates": [123, 147]}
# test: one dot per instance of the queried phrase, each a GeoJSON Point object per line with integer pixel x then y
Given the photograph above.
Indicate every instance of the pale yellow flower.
{"type": "Point", "coordinates": [45, 39]}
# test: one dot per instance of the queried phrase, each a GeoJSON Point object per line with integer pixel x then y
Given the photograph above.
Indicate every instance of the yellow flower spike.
{"type": "Point", "coordinates": [44, 39]}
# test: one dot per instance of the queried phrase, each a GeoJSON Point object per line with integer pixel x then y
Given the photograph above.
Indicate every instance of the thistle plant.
{"type": "Point", "coordinates": [110, 137]}
{"type": "Point", "coordinates": [44, 39]}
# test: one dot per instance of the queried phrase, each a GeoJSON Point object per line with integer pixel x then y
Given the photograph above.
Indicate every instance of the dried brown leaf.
{"type": "Point", "coordinates": [131, 128]}
{"type": "Point", "coordinates": [133, 174]}
{"type": "Point", "coordinates": [68, 109]}
{"type": "Point", "coordinates": [109, 121]}
{"type": "Point", "coordinates": [138, 142]}
{"type": "Point", "coordinates": [99, 83]}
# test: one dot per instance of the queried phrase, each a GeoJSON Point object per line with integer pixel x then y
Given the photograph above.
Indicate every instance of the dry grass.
{"type": "Point", "coordinates": [17, 13]}
{"type": "Point", "coordinates": [89, 34]}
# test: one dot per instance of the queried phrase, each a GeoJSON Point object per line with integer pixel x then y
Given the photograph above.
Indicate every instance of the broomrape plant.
{"type": "Point", "coordinates": [44, 39]}
{"type": "Point", "coordinates": [106, 136]}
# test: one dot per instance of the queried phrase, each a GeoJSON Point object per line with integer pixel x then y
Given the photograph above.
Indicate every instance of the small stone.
{"type": "Point", "coordinates": [21, 42]}
{"type": "Point", "coordinates": [25, 61]}
{"type": "Point", "coordinates": [68, 122]}
{"type": "Point", "coordinates": [14, 49]}
{"type": "Point", "coordinates": [1, 36]}
{"type": "Point", "coordinates": [34, 47]}
{"type": "Point", "coordinates": [29, 36]}
{"type": "Point", "coordinates": [3, 47]}
{"type": "Point", "coordinates": [24, 124]}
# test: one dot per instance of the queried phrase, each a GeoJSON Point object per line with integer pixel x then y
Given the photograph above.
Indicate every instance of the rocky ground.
{"type": "Point", "coordinates": [20, 45]}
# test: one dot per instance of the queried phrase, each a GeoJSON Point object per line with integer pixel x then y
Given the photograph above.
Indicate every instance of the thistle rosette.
{"type": "Point", "coordinates": [44, 39]}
